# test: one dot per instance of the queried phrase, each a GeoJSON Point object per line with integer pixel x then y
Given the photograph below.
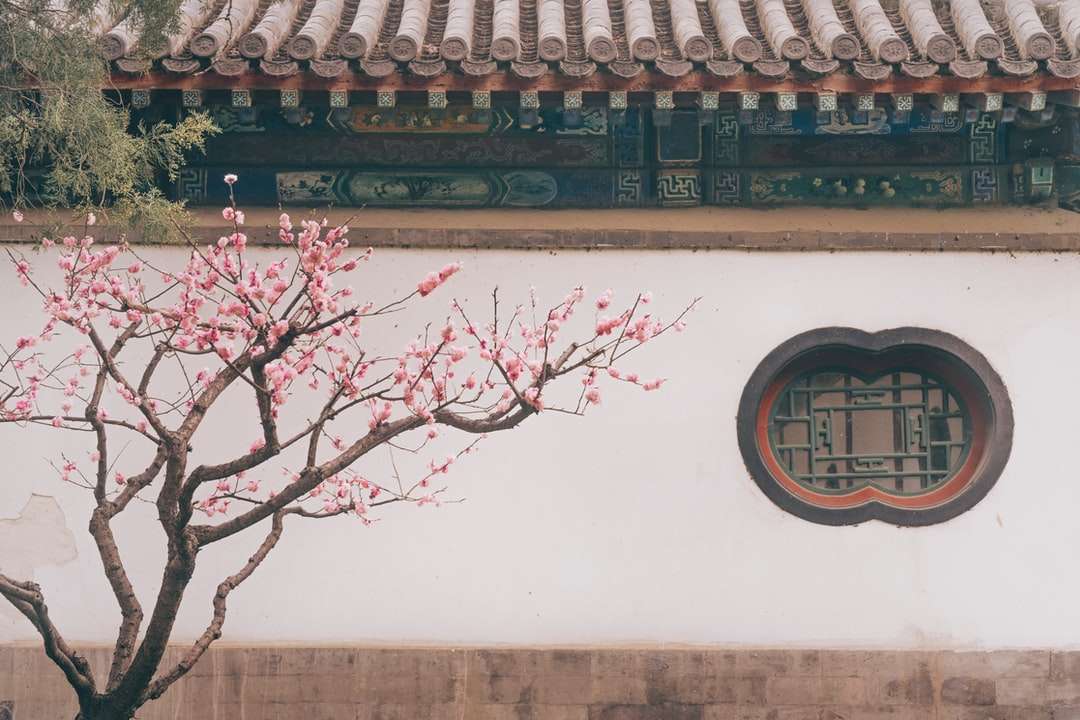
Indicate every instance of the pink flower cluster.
{"type": "Point", "coordinates": [228, 317]}
{"type": "Point", "coordinates": [434, 280]}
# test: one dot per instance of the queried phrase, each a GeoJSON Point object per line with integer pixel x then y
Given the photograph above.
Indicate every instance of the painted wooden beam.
{"type": "Point", "coordinates": [946, 102]}
{"type": "Point", "coordinates": [787, 101]}
{"type": "Point", "coordinates": [481, 99]}
{"type": "Point", "coordinates": [191, 98]}
{"type": "Point", "coordinates": [602, 82]}
{"type": "Point", "coordinates": [140, 99]}
{"type": "Point", "coordinates": [1068, 98]}
{"type": "Point", "coordinates": [985, 102]}
{"type": "Point", "coordinates": [436, 99]}
{"type": "Point", "coordinates": [826, 102]}
{"type": "Point", "coordinates": [1033, 101]}
{"type": "Point", "coordinates": [904, 102]}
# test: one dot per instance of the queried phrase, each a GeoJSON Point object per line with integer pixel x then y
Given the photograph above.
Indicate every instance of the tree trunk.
{"type": "Point", "coordinates": [105, 711]}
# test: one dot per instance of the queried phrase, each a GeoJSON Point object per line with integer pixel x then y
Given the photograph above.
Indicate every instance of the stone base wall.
{"type": "Point", "coordinates": [295, 683]}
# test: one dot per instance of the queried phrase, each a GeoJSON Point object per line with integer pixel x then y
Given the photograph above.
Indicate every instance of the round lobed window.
{"type": "Point", "coordinates": [909, 426]}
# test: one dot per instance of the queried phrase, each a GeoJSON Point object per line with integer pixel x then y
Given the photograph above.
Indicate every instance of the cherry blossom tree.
{"type": "Point", "coordinates": [132, 352]}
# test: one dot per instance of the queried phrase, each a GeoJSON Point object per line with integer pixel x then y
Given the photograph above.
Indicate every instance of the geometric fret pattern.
{"type": "Point", "coordinates": [904, 432]}
{"type": "Point", "coordinates": [984, 185]}
{"type": "Point", "coordinates": [983, 139]}
{"type": "Point", "coordinates": [677, 188]}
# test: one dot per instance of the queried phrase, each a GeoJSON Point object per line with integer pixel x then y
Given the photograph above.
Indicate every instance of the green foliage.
{"type": "Point", "coordinates": [63, 141]}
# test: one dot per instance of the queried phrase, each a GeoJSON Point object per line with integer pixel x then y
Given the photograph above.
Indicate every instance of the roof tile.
{"type": "Point", "coordinates": [334, 38]}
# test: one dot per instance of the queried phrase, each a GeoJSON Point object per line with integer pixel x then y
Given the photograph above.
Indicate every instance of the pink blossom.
{"type": "Point", "coordinates": [292, 327]}
{"type": "Point", "coordinates": [448, 270]}
{"type": "Point", "coordinates": [429, 283]}
{"type": "Point", "coordinates": [433, 280]}
{"type": "Point", "coordinates": [606, 325]}
{"type": "Point", "coordinates": [120, 479]}
{"type": "Point", "coordinates": [91, 219]}
{"type": "Point", "coordinates": [18, 216]}
{"type": "Point", "coordinates": [532, 398]}
{"type": "Point", "coordinates": [230, 179]}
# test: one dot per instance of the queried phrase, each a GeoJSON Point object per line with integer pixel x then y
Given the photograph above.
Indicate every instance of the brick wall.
{"type": "Point", "coordinates": [271, 683]}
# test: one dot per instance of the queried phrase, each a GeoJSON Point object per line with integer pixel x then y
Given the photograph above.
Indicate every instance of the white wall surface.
{"type": "Point", "coordinates": [639, 522]}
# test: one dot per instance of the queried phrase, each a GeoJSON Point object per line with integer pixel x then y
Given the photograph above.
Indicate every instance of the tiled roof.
{"type": "Point", "coordinates": [869, 39]}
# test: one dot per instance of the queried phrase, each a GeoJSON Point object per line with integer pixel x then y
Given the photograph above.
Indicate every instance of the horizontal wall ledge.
{"type": "Point", "coordinates": [659, 683]}
{"type": "Point", "coordinates": [1012, 229]}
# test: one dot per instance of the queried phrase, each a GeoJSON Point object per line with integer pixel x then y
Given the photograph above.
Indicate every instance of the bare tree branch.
{"type": "Point", "coordinates": [213, 630]}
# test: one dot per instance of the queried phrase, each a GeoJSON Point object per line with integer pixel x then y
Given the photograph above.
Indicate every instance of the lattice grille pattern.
{"type": "Point", "coordinates": [904, 432]}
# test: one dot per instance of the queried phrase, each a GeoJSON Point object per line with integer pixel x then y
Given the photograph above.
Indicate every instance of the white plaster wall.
{"type": "Point", "coordinates": [639, 523]}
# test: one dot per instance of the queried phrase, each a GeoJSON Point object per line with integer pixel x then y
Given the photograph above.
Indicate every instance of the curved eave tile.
{"type": "Point", "coordinates": [328, 68]}
{"type": "Point", "coordinates": [181, 66]}
{"type": "Point", "coordinates": [919, 69]}
{"type": "Point", "coordinates": [279, 69]}
{"type": "Point", "coordinates": [1064, 68]}
{"type": "Point", "coordinates": [230, 67]}
{"type": "Point", "coordinates": [675, 68]}
{"type": "Point", "coordinates": [969, 69]}
{"type": "Point", "coordinates": [772, 68]}
{"type": "Point", "coordinates": [820, 67]}
{"type": "Point", "coordinates": [528, 70]}
{"type": "Point", "coordinates": [427, 68]}
{"type": "Point", "coordinates": [577, 69]}
{"type": "Point", "coordinates": [378, 68]}
{"type": "Point", "coordinates": [134, 66]}
{"type": "Point", "coordinates": [479, 69]}
{"type": "Point", "coordinates": [725, 68]}
{"type": "Point", "coordinates": [1018, 68]}
{"type": "Point", "coordinates": [872, 71]}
